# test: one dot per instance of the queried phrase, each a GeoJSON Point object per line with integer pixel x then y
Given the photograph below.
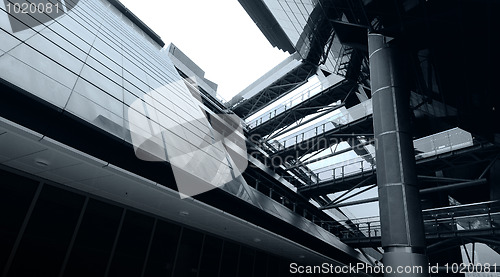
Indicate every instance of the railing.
{"type": "Point", "coordinates": [341, 118]}
{"type": "Point", "coordinates": [289, 202]}
{"type": "Point", "coordinates": [485, 215]}
{"type": "Point", "coordinates": [453, 219]}
{"type": "Point", "coordinates": [306, 94]}
{"type": "Point", "coordinates": [343, 58]}
{"type": "Point", "coordinates": [439, 143]}
{"type": "Point", "coordinates": [479, 216]}
{"type": "Point", "coordinates": [432, 145]}
{"type": "Point", "coordinates": [359, 228]}
{"type": "Point", "coordinates": [344, 169]}
{"type": "Point", "coordinates": [442, 142]}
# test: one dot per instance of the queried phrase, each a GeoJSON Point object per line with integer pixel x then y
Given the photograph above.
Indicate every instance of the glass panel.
{"type": "Point", "coordinates": [107, 60]}
{"type": "Point", "coordinates": [51, 226]}
{"type": "Point", "coordinates": [8, 41]}
{"type": "Point", "coordinates": [274, 266]}
{"type": "Point", "coordinates": [163, 249]}
{"type": "Point", "coordinates": [16, 194]}
{"type": "Point", "coordinates": [97, 107]}
{"type": "Point", "coordinates": [56, 48]}
{"type": "Point", "coordinates": [246, 262]}
{"type": "Point", "coordinates": [91, 251]}
{"type": "Point", "coordinates": [210, 259]}
{"type": "Point", "coordinates": [23, 75]}
{"type": "Point", "coordinates": [229, 263]}
{"type": "Point", "coordinates": [260, 268]}
{"type": "Point", "coordinates": [188, 254]}
{"type": "Point", "coordinates": [130, 253]}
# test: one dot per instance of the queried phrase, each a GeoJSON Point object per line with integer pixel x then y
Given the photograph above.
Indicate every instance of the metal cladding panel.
{"type": "Point", "coordinates": [400, 211]}
{"type": "Point", "coordinates": [93, 62]}
{"type": "Point", "coordinates": [191, 69]}
{"type": "Point", "coordinates": [307, 25]}
{"type": "Point", "coordinates": [268, 25]}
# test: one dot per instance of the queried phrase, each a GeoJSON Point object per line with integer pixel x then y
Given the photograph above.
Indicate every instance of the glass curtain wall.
{"type": "Point", "coordinates": [49, 231]}
{"type": "Point", "coordinates": [88, 59]}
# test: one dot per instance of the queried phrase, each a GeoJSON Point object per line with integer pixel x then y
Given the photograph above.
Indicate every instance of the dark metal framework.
{"type": "Point", "coordinates": [280, 87]}
{"type": "Point", "coordinates": [445, 92]}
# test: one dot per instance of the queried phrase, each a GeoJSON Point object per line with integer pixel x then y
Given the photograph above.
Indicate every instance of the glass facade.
{"type": "Point", "coordinates": [293, 16]}
{"type": "Point", "coordinates": [93, 62]}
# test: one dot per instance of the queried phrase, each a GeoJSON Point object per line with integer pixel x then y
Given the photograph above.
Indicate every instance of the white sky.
{"type": "Point", "coordinates": [217, 35]}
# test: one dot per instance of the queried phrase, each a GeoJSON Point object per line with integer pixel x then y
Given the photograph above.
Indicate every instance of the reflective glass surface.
{"type": "Point", "coordinates": [93, 62]}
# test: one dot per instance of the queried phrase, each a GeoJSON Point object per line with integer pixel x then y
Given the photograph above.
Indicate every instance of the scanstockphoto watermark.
{"type": "Point", "coordinates": [28, 14]}
{"type": "Point", "coordinates": [328, 268]}
{"type": "Point", "coordinates": [314, 143]}
{"type": "Point", "coordinates": [292, 154]}
{"type": "Point", "coordinates": [204, 154]}
{"type": "Point", "coordinates": [454, 268]}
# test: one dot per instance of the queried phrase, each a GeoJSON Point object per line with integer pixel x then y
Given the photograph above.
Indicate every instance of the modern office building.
{"type": "Point", "coordinates": [117, 158]}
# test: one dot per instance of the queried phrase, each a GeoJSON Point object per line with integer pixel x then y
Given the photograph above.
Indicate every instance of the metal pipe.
{"type": "Point", "coordinates": [488, 167]}
{"type": "Point", "coordinates": [439, 244]}
{"type": "Point", "coordinates": [351, 189]}
{"type": "Point", "coordinates": [486, 241]}
{"type": "Point", "coordinates": [305, 122]}
{"type": "Point", "coordinates": [364, 201]}
{"type": "Point", "coordinates": [355, 194]}
{"type": "Point", "coordinates": [403, 237]}
{"type": "Point", "coordinates": [454, 186]}
{"type": "Point", "coordinates": [440, 179]}
{"type": "Point", "coordinates": [422, 191]}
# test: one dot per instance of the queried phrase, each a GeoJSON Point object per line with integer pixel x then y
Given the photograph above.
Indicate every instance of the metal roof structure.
{"type": "Point", "coordinates": [453, 103]}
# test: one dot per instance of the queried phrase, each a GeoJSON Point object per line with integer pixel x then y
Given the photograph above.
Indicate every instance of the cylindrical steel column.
{"type": "Point", "coordinates": [403, 237]}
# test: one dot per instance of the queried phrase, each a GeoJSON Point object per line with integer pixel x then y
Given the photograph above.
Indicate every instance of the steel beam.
{"type": "Point", "coordinates": [358, 202]}
{"type": "Point", "coordinates": [486, 241]}
{"type": "Point", "coordinates": [403, 237]}
{"type": "Point", "coordinates": [441, 179]}
{"type": "Point", "coordinates": [422, 191]}
{"type": "Point", "coordinates": [454, 186]}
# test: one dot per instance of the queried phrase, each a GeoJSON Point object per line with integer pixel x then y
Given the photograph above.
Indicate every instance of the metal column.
{"type": "Point", "coordinates": [403, 237]}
